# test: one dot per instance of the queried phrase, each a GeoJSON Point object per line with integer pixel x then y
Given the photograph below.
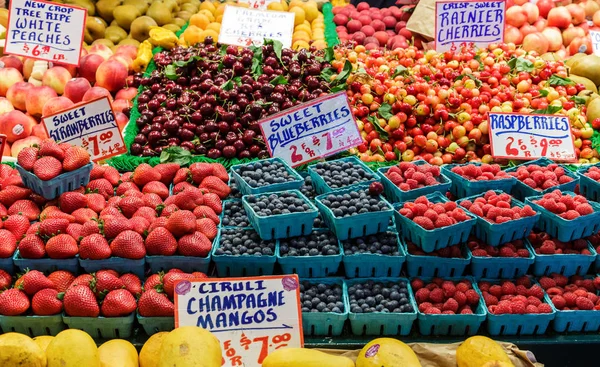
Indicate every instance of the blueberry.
{"type": "Point", "coordinates": [384, 243]}
{"type": "Point", "coordinates": [234, 214]}
{"type": "Point", "coordinates": [234, 241]}
{"type": "Point", "coordinates": [356, 202]}
{"type": "Point", "coordinates": [277, 204]}
{"type": "Point", "coordinates": [370, 296]}
{"type": "Point", "coordinates": [235, 191]}
{"type": "Point", "coordinates": [307, 188]}
{"type": "Point", "coordinates": [258, 174]}
{"type": "Point", "coordinates": [321, 297]}
{"type": "Point", "coordinates": [316, 243]}
{"type": "Point", "coordinates": [339, 174]}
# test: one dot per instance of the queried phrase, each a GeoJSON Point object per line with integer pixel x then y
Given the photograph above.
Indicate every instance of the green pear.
{"type": "Point", "coordinates": [125, 15]}
{"type": "Point", "coordinates": [105, 9]}
{"type": "Point", "coordinates": [160, 13]}
{"type": "Point", "coordinates": [140, 28]}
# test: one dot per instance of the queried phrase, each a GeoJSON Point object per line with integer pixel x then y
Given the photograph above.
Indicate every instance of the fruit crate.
{"type": "Point", "coordinates": [437, 238]}
{"type": "Point", "coordinates": [434, 266]}
{"type": "Point", "coordinates": [565, 264]}
{"type": "Point", "coordinates": [246, 189]}
{"type": "Point", "coordinates": [461, 187]}
{"type": "Point", "coordinates": [103, 327]}
{"type": "Point", "coordinates": [187, 264]}
{"type": "Point", "coordinates": [509, 324]}
{"type": "Point", "coordinates": [242, 265]}
{"type": "Point", "coordinates": [499, 267]}
{"type": "Point", "coordinates": [495, 234]}
{"type": "Point", "coordinates": [588, 187]}
{"type": "Point", "coordinates": [153, 325]}
{"type": "Point", "coordinates": [566, 230]}
{"type": "Point", "coordinates": [119, 264]}
{"type": "Point", "coordinates": [455, 325]}
{"type": "Point", "coordinates": [322, 188]}
{"type": "Point", "coordinates": [222, 215]}
{"type": "Point", "coordinates": [375, 265]}
{"type": "Point", "coordinates": [46, 265]}
{"type": "Point", "coordinates": [326, 323]}
{"type": "Point", "coordinates": [32, 326]}
{"type": "Point", "coordinates": [357, 225]}
{"type": "Point", "coordinates": [282, 225]}
{"type": "Point", "coordinates": [576, 321]}
{"type": "Point", "coordinates": [380, 323]}
{"type": "Point", "coordinates": [395, 195]}
{"type": "Point", "coordinates": [318, 266]}
{"type": "Point", "coordinates": [7, 264]}
{"type": "Point", "coordinates": [522, 191]}
{"type": "Point", "coordinates": [52, 189]}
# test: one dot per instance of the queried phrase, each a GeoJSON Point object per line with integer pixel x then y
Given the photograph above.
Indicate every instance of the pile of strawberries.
{"type": "Point", "coordinates": [515, 248]}
{"type": "Point", "coordinates": [446, 252]}
{"type": "Point", "coordinates": [433, 215]}
{"type": "Point", "coordinates": [408, 176]}
{"type": "Point", "coordinates": [575, 293]}
{"type": "Point", "coordinates": [484, 172]}
{"type": "Point", "coordinates": [159, 289]}
{"type": "Point", "coordinates": [33, 293]}
{"type": "Point", "coordinates": [544, 244]}
{"type": "Point", "coordinates": [541, 177]}
{"type": "Point", "coordinates": [593, 173]}
{"type": "Point", "coordinates": [519, 297]}
{"type": "Point", "coordinates": [564, 205]}
{"type": "Point", "coordinates": [51, 159]}
{"type": "Point", "coordinates": [497, 208]}
{"type": "Point", "coordinates": [445, 296]}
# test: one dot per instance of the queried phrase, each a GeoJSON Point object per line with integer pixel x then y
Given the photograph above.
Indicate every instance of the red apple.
{"type": "Point", "coordinates": [89, 65]}
{"type": "Point", "coordinates": [8, 77]}
{"type": "Point", "coordinates": [581, 45]}
{"type": "Point", "coordinates": [128, 50]}
{"type": "Point", "coordinates": [119, 105]}
{"type": "Point", "coordinates": [95, 93]}
{"type": "Point", "coordinates": [122, 120]}
{"type": "Point", "coordinates": [544, 7]}
{"type": "Point", "coordinates": [527, 29]}
{"type": "Point", "coordinates": [20, 144]}
{"type": "Point", "coordinates": [123, 59]}
{"type": "Point", "coordinates": [368, 30]}
{"type": "Point", "coordinates": [39, 131]}
{"type": "Point", "coordinates": [540, 24]}
{"type": "Point", "coordinates": [533, 13]}
{"type": "Point", "coordinates": [55, 105]}
{"type": "Point", "coordinates": [378, 25]}
{"type": "Point", "coordinates": [577, 13]}
{"type": "Point", "coordinates": [389, 21]}
{"type": "Point", "coordinates": [126, 93]}
{"type": "Point", "coordinates": [570, 34]}
{"type": "Point", "coordinates": [76, 88]}
{"type": "Point", "coordinates": [102, 50]}
{"type": "Point", "coordinates": [5, 105]}
{"type": "Point", "coordinates": [513, 35]}
{"type": "Point", "coordinates": [596, 19]}
{"type": "Point", "coordinates": [10, 61]}
{"type": "Point", "coordinates": [16, 125]}
{"type": "Point", "coordinates": [559, 17]}
{"type": "Point", "coordinates": [516, 16]}
{"type": "Point", "coordinates": [359, 37]}
{"type": "Point", "coordinates": [365, 19]}
{"type": "Point", "coordinates": [535, 42]}
{"type": "Point", "coordinates": [554, 37]}
{"type": "Point", "coordinates": [17, 94]}
{"type": "Point", "coordinates": [111, 74]}
{"type": "Point", "coordinates": [56, 78]}
{"type": "Point", "coordinates": [37, 98]}
{"type": "Point", "coordinates": [354, 26]}
{"type": "Point", "coordinates": [340, 19]}
{"type": "Point", "coordinates": [382, 37]}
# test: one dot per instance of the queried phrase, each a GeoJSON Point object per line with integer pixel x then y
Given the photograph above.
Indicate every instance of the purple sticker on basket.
{"type": "Point", "coordinates": [289, 284]}
{"type": "Point", "coordinates": [372, 351]}
{"type": "Point", "coordinates": [182, 288]}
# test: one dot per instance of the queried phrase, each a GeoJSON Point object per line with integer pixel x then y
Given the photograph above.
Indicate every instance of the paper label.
{"type": "Point", "coordinates": [595, 36]}
{"type": "Point", "coordinates": [258, 4]}
{"type": "Point", "coordinates": [247, 27]}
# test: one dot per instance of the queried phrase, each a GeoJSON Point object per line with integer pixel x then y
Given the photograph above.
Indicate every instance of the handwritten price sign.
{"type": "Point", "coordinates": [516, 136]}
{"type": "Point", "coordinates": [258, 4]}
{"type": "Point", "coordinates": [91, 125]}
{"type": "Point", "coordinates": [251, 316]}
{"type": "Point", "coordinates": [247, 27]}
{"type": "Point", "coordinates": [468, 23]}
{"type": "Point", "coordinates": [45, 31]}
{"type": "Point", "coordinates": [313, 130]}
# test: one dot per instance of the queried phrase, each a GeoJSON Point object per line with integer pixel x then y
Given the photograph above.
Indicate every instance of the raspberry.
{"type": "Point", "coordinates": [421, 199]}
{"type": "Point", "coordinates": [484, 286]}
{"type": "Point", "coordinates": [524, 281]}
{"type": "Point", "coordinates": [564, 179]}
{"type": "Point", "coordinates": [449, 289]}
{"type": "Point", "coordinates": [536, 291]}
{"type": "Point", "coordinates": [450, 305]}
{"type": "Point", "coordinates": [531, 309]}
{"type": "Point", "coordinates": [404, 187]}
{"type": "Point", "coordinates": [412, 184]}
{"type": "Point", "coordinates": [470, 171]}
{"type": "Point", "coordinates": [438, 208]}
{"type": "Point", "coordinates": [597, 282]}
{"type": "Point", "coordinates": [560, 280]}
{"type": "Point", "coordinates": [436, 295]}
{"type": "Point", "coordinates": [496, 290]}
{"type": "Point", "coordinates": [527, 211]}
{"type": "Point", "coordinates": [547, 248]}
{"type": "Point", "coordinates": [424, 306]}
{"type": "Point", "coordinates": [517, 308]}
{"type": "Point", "coordinates": [507, 252]}
{"type": "Point", "coordinates": [479, 253]}
{"type": "Point", "coordinates": [419, 177]}
{"type": "Point", "coordinates": [476, 210]}
{"type": "Point", "coordinates": [592, 297]}
{"type": "Point", "coordinates": [584, 303]}
{"type": "Point", "coordinates": [490, 300]}
{"type": "Point", "coordinates": [559, 302]}
{"type": "Point", "coordinates": [422, 295]}
{"type": "Point", "coordinates": [443, 221]}
{"type": "Point", "coordinates": [523, 252]}
{"type": "Point", "coordinates": [571, 214]}
{"type": "Point", "coordinates": [449, 206]}
{"type": "Point", "coordinates": [466, 311]}
{"type": "Point", "coordinates": [431, 214]}
{"type": "Point", "coordinates": [544, 308]}
{"type": "Point", "coordinates": [522, 290]}
{"type": "Point", "coordinates": [530, 182]}
{"type": "Point", "coordinates": [503, 308]}
{"type": "Point", "coordinates": [584, 209]}
{"type": "Point", "coordinates": [417, 283]}
{"type": "Point", "coordinates": [570, 299]}
{"type": "Point", "coordinates": [448, 312]}
{"type": "Point", "coordinates": [501, 220]}
{"type": "Point", "coordinates": [546, 282]}
{"type": "Point", "coordinates": [509, 288]}
{"type": "Point", "coordinates": [419, 209]}
{"type": "Point", "coordinates": [533, 301]}
{"type": "Point", "coordinates": [554, 291]}
{"type": "Point", "coordinates": [472, 297]}
{"type": "Point", "coordinates": [432, 311]}
{"type": "Point", "coordinates": [460, 297]}
{"type": "Point", "coordinates": [463, 287]}
{"type": "Point", "coordinates": [424, 222]}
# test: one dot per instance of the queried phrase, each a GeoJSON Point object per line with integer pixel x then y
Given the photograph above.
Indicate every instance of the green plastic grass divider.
{"type": "Point", "coordinates": [331, 36]}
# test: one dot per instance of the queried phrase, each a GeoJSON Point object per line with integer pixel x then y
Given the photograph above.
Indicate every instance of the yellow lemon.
{"type": "Point", "coordinates": [298, 15]}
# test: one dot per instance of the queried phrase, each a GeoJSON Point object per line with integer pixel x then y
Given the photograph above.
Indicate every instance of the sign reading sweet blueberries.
{"type": "Point", "coordinates": [313, 130]}
{"type": "Point", "coordinates": [250, 316]}
{"type": "Point", "coordinates": [468, 23]}
{"type": "Point", "coordinates": [247, 27]}
{"type": "Point", "coordinates": [45, 31]}
{"type": "Point", "coordinates": [518, 136]}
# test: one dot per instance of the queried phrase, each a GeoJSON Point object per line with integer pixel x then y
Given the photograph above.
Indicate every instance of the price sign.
{"type": "Point", "coordinates": [247, 27]}
{"type": "Point", "coordinates": [250, 316]}
{"type": "Point", "coordinates": [258, 4]}
{"type": "Point", "coordinates": [91, 125]}
{"type": "Point", "coordinates": [467, 23]}
{"type": "Point", "coordinates": [517, 136]}
{"type": "Point", "coordinates": [2, 145]}
{"type": "Point", "coordinates": [313, 130]}
{"type": "Point", "coordinates": [45, 31]}
{"type": "Point", "coordinates": [595, 36]}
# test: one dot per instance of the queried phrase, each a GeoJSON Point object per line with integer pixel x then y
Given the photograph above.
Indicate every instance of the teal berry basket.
{"type": "Point", "coordinates": [7, 264]}
{"type": "Point", "coordinates": [395, 195]}
{"type": "Point", "coordinates": [53, 188]}
{"type": "Point", "coordinates": [46, 265]}
{"type": "Point", "coordinates": [566, 230]}
{"type": "Point", "coordinates": [437, 238]}
{"type": "Point", "coordinates": [588, 187]}
{"type": "Point", "coordinates": [500, 267]}
{"type": "Point", "coordinates": [321, 187]}
{"type": "Point", "coordinates": [326, 323]}
{"type": "Point", "coordinates": [32, 326]}
{"type": "Point", "coordinates": [435, 266]}
{"type": "Point", "coordinates": [223, 217]}
{"type": "Point", "coordinates": [495, 234]}
{"type": "Point", "coordinates": [522, 191]}
{"type": "Point", "coordinates": [358, 225]}
{"type": "Point", "coordinates": [564, 264]}
{"type": "Point", "coordinates": [188, 264]}
{"type": "Point", "coordinates": [153, 325]}
{"type": "Point", "coordinates": [368, 265]}
{"type": "Point", "coordinates": [119, 264]}
{"type": "Point", "coordinates": [242, 265]}
{"type": "Point", "coordinates": [576, 321]}
{"type": "Point", "coordinates": [317, 266]}
{"type": "Point", "coordinates": [246, 189]}
{"type": "Point", "coordinates": [461, 187]}
{"type": "Point", "coordinates": [282, 225]}
{"type": "Point", "coordinates": [103, 327]}
{"type": "Point", "coordinates": [380, 323]}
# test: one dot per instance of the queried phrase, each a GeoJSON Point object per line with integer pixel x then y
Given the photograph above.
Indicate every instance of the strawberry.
{"type": "Point", "coordinates": [118, 303]}
{"type": "Point", "coordinates": [97, 172]}
{"type": "Point", "coordinates": [168, 210]}
{"type": "Point", "coordinates": [152, 200]}
{"type": "Point", "coordinates": [75, 158]}
{"type": "Point", "coordinates": [145, 173]}
{"type": "Point", "coordinates": [207, 227]}
{"type": "Point", "coordinates": [83, 215]}
{"type": "Point", "coordinates": [50, 148]}
{"type": "Point", "coordinates": [114, 225]}
{"type": "Point", "coordinates": [188, 199]}
{"type": "Point", "coordinates": [3, 211]}
{"type": "Point", "coordinates": [181, 222]}
{"type": "Point", "coordinates": [213, 201]}
{"type": "Point", "coordinates": [215, 185]}
{"type": "Point", "coordinates": [62, 279]}
{"type": "Point", "coordinates": [132, 283]}
{"type": "Point", "coordinates": [13, 180]}
{"type": "Point", "coordinates": [8, 244]}
{"type": "Point", "coordinates": [94, 247]}
{"type": "Point", "coordinates": [196, 244]}
{"type": "Point", "coordinates": [111, 211]}
{"type": "Point", "coordinates": [5, 280]}
{"type": "Point", "coordinates": [157, 223]}
{"type": "Point", "coordinates": [167, 172]}
{"type": "Point", "coordinates": [80, 301]}
{"type": "Point", "coordinates": [156, 187]}
{"type": "Point", "coordinates": [126, 177]}
{"type": "Point", "coordinates": [89, 228]}
{"type": "Point", "coordinates": [161, 242]}
{"type": "Point", "coordinates": [129, 205]}
{"type": "Point", "coordinates": [71, 201]}
{"type": "Point", "coordinates": [47, 302]}
{"type": "Point", "coordinates": [171, 278]}
{"type": "Point", "coordinates": [134, 193]}
{"type": "Point", "coordinates": [17, 224]}
{"type": "Point", "coordinates": [140, 225]}
{"type": "Point", "coordinates": [145, 212]}
{"type": "Point", "coordinates": [220, 171]}
{"type": "Point", "coordinates": [9, 194]}
{"type": "Point", "coordinates": [34, 281]}
{"type": "Point", "coordinates": [101, 186]}
{"type": "Point", "coordinates": [154, 304]}
{"type": "Point", "coordinates": [154, 281]}
{"type": "Point", "coordinates": [62, 246]}
{"type": "Point", "coordinates": [13, 302]}
{"type": "Point", "coordinates": [200, 171]}
{"type": "Point", "coordinates": [74, 230]}
{"type": "Point", "coordinates": [51, 227]}
{"type": "Point", "coordinates": [27, 157]}
{"type": "Point", "coordinates": [204, 211]}
{"type": "Point", "coordinates": [32, 247]}
{"type": "Point", "coordinates": [105, 281]}
{"type": "Point", "coordinates": [64, 146]}
{"type": "Point", "coordinates": [83, 279]}
{"type": "Point", "coordinates": [26, 208]}
{"type": "Point", "coordinates": [47, 168]}
{"type": "Point", "coordinates": [112, 175]}
{"type": "Point", "coordinates": [95, 202]}
{"type": "Point", "coordinates": [181, 187]}
{"type": "Point", "coordinates": [182, 175]}
{"type": "Point", "coordinates": [129, 245]}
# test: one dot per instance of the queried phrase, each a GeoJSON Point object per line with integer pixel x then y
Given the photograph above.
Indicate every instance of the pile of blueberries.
{"type": "Point", "coordinates": [263, 173]}
{"type": "Point", "coordinates": [339, 174]}
{"type": "Point", "coordinates": [371, 296]}
{"type": "Point", "coordinates": [235, 190]}
{"type": "Point", "coordinates": [234, 214]}
{"type": "Point", "coordinates": [384, 243]}
{"type": "Point", "coordinates": [353, 203]}
{"type": "Point", "coordinates": [321, 297]}
{"type": "Point", "coordinates": [307, 188]}
{"type": "Point", "coordinates": [278, 203]}
{"type": "Point", "coordinates": [316, 243]}
{"type": "Point", "coordinates": [236, 241]}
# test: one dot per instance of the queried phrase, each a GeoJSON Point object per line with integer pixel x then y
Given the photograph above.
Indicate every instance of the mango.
{"type": "Point", "coordinates": [190, 346]}
{"type": "Point", "coordinates": [118, 353]}
{"type": "Point", "coordinates": [478, 351]}
{"type": "Point", "coordinates": [300, 357]}
{"type": "Point", "coordinates": [387, 352]}
{"type": "Point", "coordinates": [73, 348]}
{"type": "Point", "coordinates": [20, 350]}
{"type": "Point", "coordinates": [43, 341]}
{"type": "Point", "coordinates": [150, 353]}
